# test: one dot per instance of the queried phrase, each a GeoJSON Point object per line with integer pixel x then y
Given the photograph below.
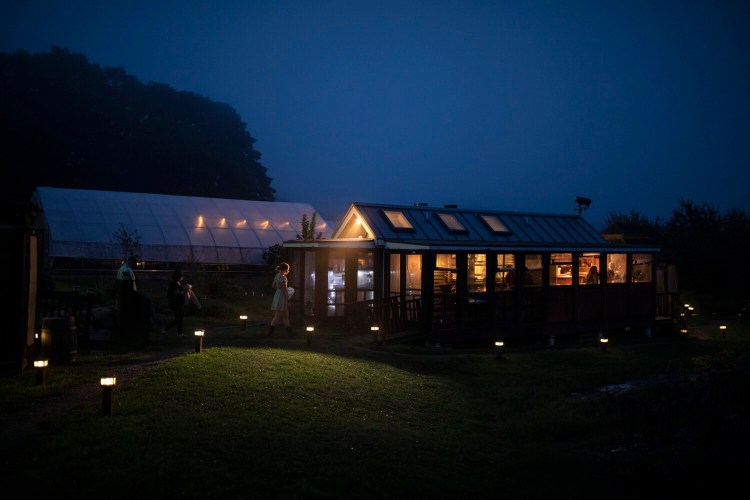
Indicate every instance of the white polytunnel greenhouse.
{"type": "Point", "coordinates": [82, 224]}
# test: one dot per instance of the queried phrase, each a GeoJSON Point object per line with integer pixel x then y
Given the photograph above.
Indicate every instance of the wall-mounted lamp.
{"type": "Point", "coordinates": [199, 334]}
{"type": "Point", "coordinates": [40, 366]}
{"type": "Point", "coordinates": [108, 386]}
{"type": "Point", "coordinates": [243, 321]}
{"type": "Point", "coordinates": [723, 330]}
{"type": "Point", "coordinates": [499, 344]}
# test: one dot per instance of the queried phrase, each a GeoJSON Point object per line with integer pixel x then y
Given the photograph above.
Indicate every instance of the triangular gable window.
{"type": "Point", "coordinates": [452, 223]}
{"type": "Point", "coordinates": [495, 224]}
{"type": "Point", "coordinates": [398, 220]}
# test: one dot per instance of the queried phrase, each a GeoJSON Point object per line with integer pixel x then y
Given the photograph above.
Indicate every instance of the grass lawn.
{"type": "Point", "coordinates": [253, 417]}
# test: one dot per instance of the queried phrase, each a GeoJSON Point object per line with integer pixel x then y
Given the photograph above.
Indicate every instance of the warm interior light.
{"type": "Point", "coordinates": [40, 363]}
{"type": "Point", "coordinates": [107, 381]}
{"type": "Point", "coordinates": [199, 333]}
{"type": "Point", "coordinates": [241, 223]}
{"type": "Point", "coordinates": [200, 221]}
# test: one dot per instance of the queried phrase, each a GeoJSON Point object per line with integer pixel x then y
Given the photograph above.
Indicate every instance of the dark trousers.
{"type": "Point", "coordinates": [179, 314]}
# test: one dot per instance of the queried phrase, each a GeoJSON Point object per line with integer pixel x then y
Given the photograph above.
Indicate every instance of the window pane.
{"type": "Point", "coordinates": [505, 274]}
{"type": "Point", "coordinates": [414, 275]}
{"type": "Point", "coordinates": [336, 284]}
{"type": "Point", "coordinates": [588, 268]}
{"type": "Point", "coordinates": [476, 276]}
{"type": "Point", "coordinates": [394, 282]}
{"type": "Point", "coordinates": [642, 267]}
{"type": "Point", "coordinates": [616, 267]}
{"type": "Point", "coordinates": [561, 269]}
{"type": "Point", "coordinates": [533, 274]}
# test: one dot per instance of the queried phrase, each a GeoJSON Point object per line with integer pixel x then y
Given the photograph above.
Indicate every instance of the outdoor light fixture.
{"type": "Point", "coordinates": [604, 341]}
{"type": "Point", "coordinates": [684, 331]}
{"type": "Point", "coordinates": [39, 367]}
{"type": "Point", "coordinates": [243, 319]}
{"type": "Point", "coordinates": [376, 334]}
{"type": "Point", "coordinates": [723, 329]}
{"type": "Point", "coordinates": [108, 386]}
{"type": "Point", "coordinates": [310, 329]}
{"type": "Point", "coordinates": [499, 349]}
{"type": "Point", "coordinates": [199, 334]}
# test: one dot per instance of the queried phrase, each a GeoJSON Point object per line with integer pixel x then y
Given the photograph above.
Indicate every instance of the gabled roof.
{"type": "Point", "coordinates": [81, 224]}
{"type": "Point", "coordinates": [421, 226]}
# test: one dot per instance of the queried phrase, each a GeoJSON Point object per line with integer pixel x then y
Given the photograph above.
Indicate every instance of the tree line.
{"type": "Point", "coordinates": [66, 122]}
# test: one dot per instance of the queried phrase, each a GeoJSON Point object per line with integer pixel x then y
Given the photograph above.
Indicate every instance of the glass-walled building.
{"type": "Point", "coordinates": [457, 274]}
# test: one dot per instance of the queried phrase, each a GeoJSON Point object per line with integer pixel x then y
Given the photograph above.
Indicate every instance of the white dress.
{"type": "Point", "coordinates": [280, 299]}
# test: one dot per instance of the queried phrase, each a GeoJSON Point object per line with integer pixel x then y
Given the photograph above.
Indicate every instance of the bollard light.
{"type": "Point", "coordinates": [604, 341]}
{"type": "Point", "coordinates": [40, 366]}
{"type": "Point", "coordinates": [376, 334]}
{"type": "Point", "coordinates": [243, 321]}
{"type": "Point", "coordinates": [108, 386]}
{"type": "Point", "coordinates": [310, 329]}
{"type": "Point", "coordinates": [499, 344]}
{"type": "Point", "coordinates": [723, 329]}
{"type": "Point", "coordinates": [199, 334]}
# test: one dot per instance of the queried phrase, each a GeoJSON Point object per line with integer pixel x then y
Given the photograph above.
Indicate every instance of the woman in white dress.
{"type": "Point", "coordinates": [280, 303]}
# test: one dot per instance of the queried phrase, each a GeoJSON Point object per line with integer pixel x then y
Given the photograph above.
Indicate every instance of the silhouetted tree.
{"type": "Point", "coordinates": [65, 122]}
{"type": "Point", "coordinates": [308, 228]}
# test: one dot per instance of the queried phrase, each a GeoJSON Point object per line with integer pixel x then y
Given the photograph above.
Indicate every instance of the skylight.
{"type": "Point", "coordinates": [398, 220]}
{"type": "Point", "coordinates": [452, 223]}
{"type": "Point", "coordinates": [495, 224]}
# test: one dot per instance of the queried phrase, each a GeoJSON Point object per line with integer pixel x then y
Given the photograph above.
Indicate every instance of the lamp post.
{"type": "Point", "coordinates": [199, 334]}
{"type": "Point", "coordinates": [40, 366]}
{"type": "Point", "coordinates": [243, 321]}
{"type": "Point", "coordinates": [108, 386]}
{"type": "Point", "coordinates": [723, 329]}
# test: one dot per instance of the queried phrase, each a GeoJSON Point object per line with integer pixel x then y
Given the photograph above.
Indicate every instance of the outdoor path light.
{"type": "Point", "coordinates": [604, 341]}
{"type": "Point", "coordinates": [243, 321]}
{"type": "Point", "coordinates": [108, 386]}
{"type": "Point", "coordinates": [199, 334]}
{"type": "Point", "coordinates": [376, 334]}
{"type": "Point", "coordinates": [499, 349]}
{"type": "Point", "coordinates": [310, 329]}
{"type": "Point", "coordinates": [40, 365]}
{"type": "Point", "coordinates": [723, 329]}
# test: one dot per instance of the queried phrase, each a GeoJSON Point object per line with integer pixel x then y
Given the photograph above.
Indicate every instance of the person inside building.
{"type": "Point", "coordinates": [592, 277]}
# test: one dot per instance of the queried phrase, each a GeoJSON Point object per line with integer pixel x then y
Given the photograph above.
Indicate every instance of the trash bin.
{"type": "Point", "coordinates": [60, 338]}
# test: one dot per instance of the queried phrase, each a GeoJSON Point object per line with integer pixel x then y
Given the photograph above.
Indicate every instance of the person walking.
{"type": "Point", "coordinates": [177, 297]}
{"type": "Point", "coordinates": [280, 303]}
{"type": "Point", "coordinates": [126, 292]}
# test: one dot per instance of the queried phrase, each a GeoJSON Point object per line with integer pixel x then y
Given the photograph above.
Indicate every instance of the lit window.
{"type": "Point", "coordinates": [397, 220]}
{"type": "Point", "coordinates": [495, 224]}
{"type": "Point", "coordinates": [452, 223]}
{"type": "Point", "coordinates": [561, 269]}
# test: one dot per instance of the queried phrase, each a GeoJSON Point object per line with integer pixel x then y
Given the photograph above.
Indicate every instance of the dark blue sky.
{"type": "Point", "coordinates": [505, 105]}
